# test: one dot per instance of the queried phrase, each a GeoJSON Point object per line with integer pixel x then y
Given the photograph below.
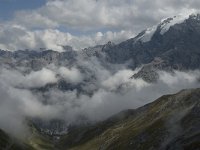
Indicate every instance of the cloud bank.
{"type": "Point", "coordinates": [113, 91]}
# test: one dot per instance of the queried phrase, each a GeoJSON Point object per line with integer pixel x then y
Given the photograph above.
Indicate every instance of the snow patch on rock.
{"type": "Point", "coordinates": [167, 23]}
{"type": "Point", "coordinates": [148, 34]}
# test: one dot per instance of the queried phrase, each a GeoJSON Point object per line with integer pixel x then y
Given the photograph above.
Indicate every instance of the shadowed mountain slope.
{"type": "Point", "coordinates": [171, 122]}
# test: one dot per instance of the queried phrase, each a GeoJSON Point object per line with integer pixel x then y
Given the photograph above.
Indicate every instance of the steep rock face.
{"type": "Point", "coordinates": [174, 42]}
{"type": "Point", "coordinates": [178, 46]}
{"type": "Point", "coordinates": [178, 49]}
{"type": "Point", "coordinates": [171, 122]}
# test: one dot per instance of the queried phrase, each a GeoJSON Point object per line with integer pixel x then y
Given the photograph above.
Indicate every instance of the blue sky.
{"type": "Point", "coordinates": [8, 7]}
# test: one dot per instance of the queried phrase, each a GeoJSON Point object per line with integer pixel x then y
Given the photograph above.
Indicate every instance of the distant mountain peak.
{"type": "Point", "coordinates": [178, 19]}
{"type": "Point", "coordinates": [165, 25]}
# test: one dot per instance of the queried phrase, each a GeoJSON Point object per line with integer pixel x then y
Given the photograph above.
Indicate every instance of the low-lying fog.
{"type": "Point", "coordinates": [113, 91]}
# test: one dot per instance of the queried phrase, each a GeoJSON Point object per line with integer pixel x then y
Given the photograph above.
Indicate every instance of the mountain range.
{"type": "Point", "coordinates": [173, 44]}
{"type": "Point", "coordinates": [171, 122]}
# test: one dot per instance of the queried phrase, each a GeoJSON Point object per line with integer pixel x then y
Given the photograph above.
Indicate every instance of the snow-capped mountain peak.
{"type": "Point", "coordinates": [165, 25]}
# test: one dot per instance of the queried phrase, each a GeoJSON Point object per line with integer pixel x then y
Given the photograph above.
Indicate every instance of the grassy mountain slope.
{"type": "Point", "coordinates": [170, 122]}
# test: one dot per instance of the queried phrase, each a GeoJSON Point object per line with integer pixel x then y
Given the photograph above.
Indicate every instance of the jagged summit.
{"type": "Point", "coordinates": [175, 41]}
{"type": "Point", "coordinates": [165, 25]}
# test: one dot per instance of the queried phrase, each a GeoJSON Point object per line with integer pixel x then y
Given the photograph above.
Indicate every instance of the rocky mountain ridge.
{"type": "Point", "coordinates": [173, 44]}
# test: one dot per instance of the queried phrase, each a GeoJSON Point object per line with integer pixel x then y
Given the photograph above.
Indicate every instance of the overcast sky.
{"type": "Point", "coordinates": [34, 24]}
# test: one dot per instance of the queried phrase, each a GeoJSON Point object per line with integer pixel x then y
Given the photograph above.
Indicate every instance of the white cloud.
{"type": "Point", "coordinates": [72, 75]}
{"type": "Point", "coordinates": [119, 78]}
{"type": "Point", "coordinates": [16, 105]}
{"type": "Point", "coordinates": [34, 79]}
{"type": "Point", "coordinates": [44, 27]}
{"type": "Point", "coordinates": [34, 19]}
{"type": "Point", "coordinates": [80, 14]}
{"type": "Point", "coordinates": [15, 37]}
{"type": "Point", "coordinates": [106, 100]}
{"type": "Point", "coordinates": [179, 78]}
{"type": "Point", "coordinates": [98, 14]}
{"type": "Point", "coordinates": [40, 78]}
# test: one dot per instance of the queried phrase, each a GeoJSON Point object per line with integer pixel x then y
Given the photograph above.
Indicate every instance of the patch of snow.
{"type": "Point", "coordinates": [167, 23]}
{"type": "Point", "coordinates": [146, 37]}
